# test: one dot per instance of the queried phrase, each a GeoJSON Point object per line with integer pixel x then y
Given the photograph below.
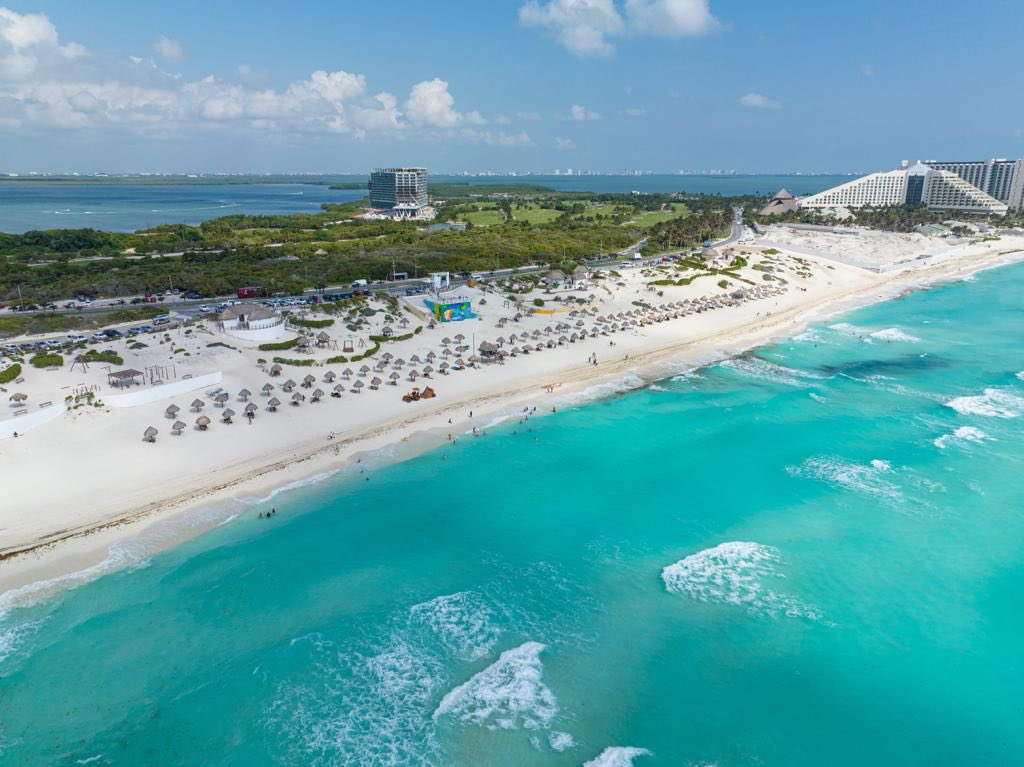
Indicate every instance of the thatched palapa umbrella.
{"type": "Point", "coordinates": [202, 422]}
{"type": "Point", "coordinates": [363, 370]}
{"type": "Point", "coordinates": [347, 373]}
{"type": "Point", "coordinates": [275, 370]}
{"type": "Point", "coordinates": [250, 409]}
{"type": "Point", "coordinates": [338, 389]}
{"type": "Point", "coordinates": [197, 405]}
{"type": "Point", "coordinates": [273, 404]}
{"type": "Point", "coordinates": [394, 378]}
{"type": "Point", "coordinates": [308, 381]}
{"type": "Point", "coordinates": [178, 427]}
{"type": "Point", "coordinates": [298, 397]}
{"type": "Point", "coordinates": [17, 397]}
{"type": "Point", "coordinates": [288, 385]}
{"type": "Point", "coordinates": [375, 383]}
{"type": "Point", "coordinates": [329, 376]}
{"type": "Point", "coordinates": [149, 435]}
{"type": "Point", "coordinates": [227, 415]}
{"type": "Point", "coordinates": [221, 398]}
{"type": "Point", "coordinates": [171, 411]}
{"type": "Point", "coordinates": [317, 395]}
{"type": "Point", "coordinates": [244, 394]}
{"type": "Point", "coordinates": [267, 388]}
{"type": "Point", "coordinates": [357, 386]}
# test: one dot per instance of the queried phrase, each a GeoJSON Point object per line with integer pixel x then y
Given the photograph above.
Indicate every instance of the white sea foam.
{"type": "Point", "coordinates": [617, 756]}
{"type": "Point", "coordinates": [12, 637]}
{"type": "Point", "coordinates": [561, 741]}
{"type": "Point", "coordinates": [992, 403]}
{"type": "Point", "coordinates": [89, 760]}
{"type": "Point", "coordinates": [961, 435]}
{"type": "Point", "coordinates": [860, 478]}
{"type": "Point", "coordinates": [133, 553]}
{"type": "Point", "coordinates": [506, 695]}
{"type": "Point", "coordinates": [762, 369]}
{"type": "Point", "coordinates": [817, 397]}
{"type": "Point", "coordinates": [463, 623]}
{"type": "Point", "coordinates": [735, 573]}
{"type": "Point", "coordinates": [315, 479]}
{"type": "Point", "coordinates": [359, 708]}
{"type": "Point", "coordinates": [1020, 375]}
{"type": "Point", "coordinates": [847, 329]}
{"type": "Point", "coordinates": [894, 334]}
{"type": "Point", "coordinates": [628, 382]}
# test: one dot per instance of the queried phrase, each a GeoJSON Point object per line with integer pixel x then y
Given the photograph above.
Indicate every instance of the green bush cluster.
{"type": "Point", "coordinates": [8, 375]}
{"type": "Point", "coordinates": [280, 346]}
{"type": "Point", "coordinates": [47, 360]}
{"type": "Point", "coordinates": [297, 363]}
{"type": "Point", "coordinates": [311, 323]}
{"type": "Point", "coordinates": [107, 355]}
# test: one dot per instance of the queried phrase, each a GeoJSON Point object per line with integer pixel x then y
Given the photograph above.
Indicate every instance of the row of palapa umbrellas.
{"type": "Point", "coordinates": [527, 342]}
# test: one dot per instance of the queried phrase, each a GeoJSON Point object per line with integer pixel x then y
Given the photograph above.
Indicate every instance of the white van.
{"type": "Point", "coordinates": [359, 283]}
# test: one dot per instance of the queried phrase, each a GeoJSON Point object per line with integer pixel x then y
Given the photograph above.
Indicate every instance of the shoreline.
{"type": "Point", "coordinates": [76, 554]}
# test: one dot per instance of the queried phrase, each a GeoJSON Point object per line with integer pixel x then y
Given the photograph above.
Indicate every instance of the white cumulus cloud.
{"type": "Point", "coordinates": [670, 18]}
{"type": "Point", "coordinates": [759, 101]}
{"type": "Point", "coordinates": [430, 103]}
{"type": "Point", "coordinates": [564, 143]}
{"type": "Point", "coordinates": [581, 26]}
{"type": "Point", "coordinates": [635, 112]}
{"type": "Point", "coordinates": [580, 112]}
{"type": "Point", "coordinates": [44, 83]}
{"type": "Point", "coordinates": [168, 49]}
{"type": "Point", "coordinates": [584, 27]}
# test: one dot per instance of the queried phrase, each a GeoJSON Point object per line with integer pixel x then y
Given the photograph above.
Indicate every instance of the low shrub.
{"type": "Point", "coordinates": [723, 283]}
{"type": "Point", "coordinates": [296, 363]}
{"type": "Point", "coordinates": [47, 360]}
{"type": "Point", "coordinates": [280, 346]}
{"type": "Point", "coordinates": [538, 302]}
{"type": "Point", "coordinates": [311, 323]}
{"type": "Point", "coordinates": [221, 343]}
{"type": "Point", "coordinates": [341, 358]}
{"type": "Point", "coordinates": [9, 374]}
{"type": "Point", "coordinates": [107, 355]}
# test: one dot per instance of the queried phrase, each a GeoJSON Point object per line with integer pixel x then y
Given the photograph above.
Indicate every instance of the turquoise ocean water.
{"type": "Point", "coordinates": [808, 555]}
{"type": "Point", "coordinates": [27, 205]}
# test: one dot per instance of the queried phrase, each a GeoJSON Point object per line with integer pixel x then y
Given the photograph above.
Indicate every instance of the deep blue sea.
{"type": "Point", "coordinates": [812, 554]}
{"type": "Point", "coordinates": [29, 205]}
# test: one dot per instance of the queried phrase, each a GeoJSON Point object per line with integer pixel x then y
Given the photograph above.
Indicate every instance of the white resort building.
{"type": "Point", "coordinates": [918, 183]}
{"type": "Point", "coordinates": [252, 322]}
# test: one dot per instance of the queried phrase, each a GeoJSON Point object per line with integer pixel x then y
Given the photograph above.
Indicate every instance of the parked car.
{"type": "Point", "coordinates": [111, 333]}
{"type": "Point", "coordinates": [205, 309]}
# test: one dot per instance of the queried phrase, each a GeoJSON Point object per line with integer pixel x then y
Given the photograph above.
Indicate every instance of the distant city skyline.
{"type": "Point", "coordinates": [523, 86]}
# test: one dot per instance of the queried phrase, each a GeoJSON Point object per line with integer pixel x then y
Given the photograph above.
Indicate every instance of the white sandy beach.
{"type": "Point", "coordinates": [85, 480]}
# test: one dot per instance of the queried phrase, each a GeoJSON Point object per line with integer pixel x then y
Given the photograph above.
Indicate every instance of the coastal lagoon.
{"type": "Point", "coordinates": [31, 205]}
{"type": "Point", "coordinates": [809, 554]}
{"type": "Point", "coordinates": [126, 207]}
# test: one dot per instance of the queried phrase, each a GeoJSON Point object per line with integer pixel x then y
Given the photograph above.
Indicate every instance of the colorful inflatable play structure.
{"type": "Point", "coordinates": [454, 311]}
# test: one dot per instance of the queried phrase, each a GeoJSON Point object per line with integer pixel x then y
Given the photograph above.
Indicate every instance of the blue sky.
{"type": "Point", "coordinates": [341, 86]}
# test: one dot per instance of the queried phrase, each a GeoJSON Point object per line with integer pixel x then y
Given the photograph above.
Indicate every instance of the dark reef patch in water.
{"type": "Point", "coordinates": [910, 363]}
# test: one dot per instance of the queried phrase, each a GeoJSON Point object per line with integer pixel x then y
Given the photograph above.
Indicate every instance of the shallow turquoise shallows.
{"type": "Point", "coordinates": [811, 555]}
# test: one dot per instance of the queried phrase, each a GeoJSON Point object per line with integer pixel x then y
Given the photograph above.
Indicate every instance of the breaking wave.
{"type": "Point", "coordinates": [860, 478]}
{"type": "Point", "coordinates": [736, 573]}
{"type": "Point", "coordinates": [763, 370]}
{"type": "Point", "coordinates": [960, 436]}
{"type": "Point", "coordinates": [992, 403]}
{"type": "Point", "coordinates": [894, 334]}
{"type": "Point", "coordinates": [617, 756]}
{"type": "Point", "coordinates": [506, 695]}
{"type": "Point", "coordinates": [463, 623]}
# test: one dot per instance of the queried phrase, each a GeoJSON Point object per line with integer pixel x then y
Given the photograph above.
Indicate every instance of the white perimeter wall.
{"type": "Point", "coordinates": [144, 396]}
{"type": "Point", "coordinates": [30, 420]}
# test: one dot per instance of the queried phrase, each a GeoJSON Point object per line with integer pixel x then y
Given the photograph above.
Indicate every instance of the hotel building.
{"type": "Point", "coordinates": [919, 183]}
